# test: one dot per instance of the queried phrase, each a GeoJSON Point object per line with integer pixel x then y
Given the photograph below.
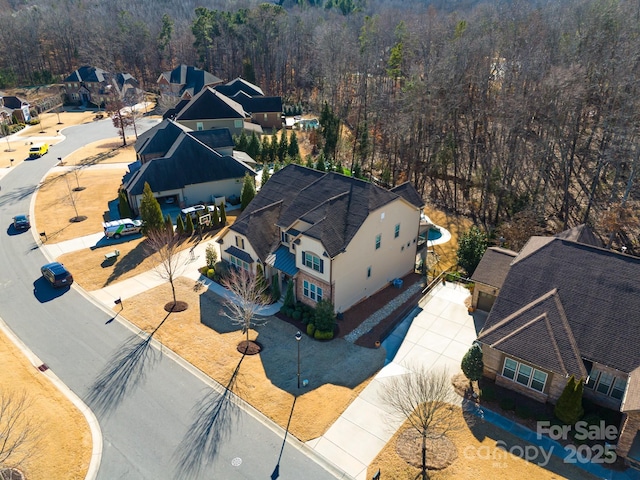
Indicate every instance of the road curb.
{"type": "Point", "coordinates": [92, 421]}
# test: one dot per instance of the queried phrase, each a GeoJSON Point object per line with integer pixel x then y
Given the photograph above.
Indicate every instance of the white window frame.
{"type": "Point", "coordinates": [238, 263]}
{"type": "Point", "coordinates": [396, 231]}
{"type": "Point", "coordinates": [519, 371]}
{"type": "Point", "coordinates": [378, 241]}
{"type": "Point", "coordinates": [617, 384]}
{"type": "Point", "coordinates": [199, 126]}
{"type": "Point", "coordinates": [309, 261]}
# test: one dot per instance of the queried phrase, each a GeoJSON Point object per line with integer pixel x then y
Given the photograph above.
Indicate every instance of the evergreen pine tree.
{"type": "Point", "coordinates": [223, 215]}
{"type": "Point", "coordinates": [320, 165]}
{"type": "Point", "coordinates": [472, 365]}
{"type": "Point", "coordinates": [294, 148]}
{"type": "Point", "coordinates": [275, 288]}
{"type": "Point", "coordinates": [168, 223]}
{"type": "Point", "coordinates": [289, 299]}
{"type": "Point", "coordinates": [248, 191]}
{"type": "Point", "coordinates": [215, 219]}
{"type": "Point", "coordinates": [188, 229]}
{"type": "Point", "coordinates": [242, 142]}
{"type": "Point", "coordinates": [309, 162]}
{"type": "Point", "coordinates": [265, 175]}
{"type": "Point", "coordinates": [253, 148]}
{"type": "Point", "coordinates": [569, 406]}
{"type": "Point", "coordinates": [150, 211]}
{"type": "Point", "coordinates": [123, 205]}
{"type": "Point", "coordinates": [264, 151]}
{"type": "Point", "coordinates": [180, 225]}
{"type": "Point", "coordinates": [283, 146]}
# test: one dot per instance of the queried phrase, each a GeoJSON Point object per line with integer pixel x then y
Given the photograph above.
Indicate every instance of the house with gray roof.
{"type": "Point", "coordinates": [12, 107]}
{"type": "Point", "coordinates": [185, 81]}
{"type": "Point", "coordinates": [184, 166]}
{"type": "Point", "coordinates": [335, 237]}
{"type": "Point", "coordinates": [566, 306]}
{"type": "Point", "coordinates": [211, 109]}
{"type": "Point", "coordinates": [93, 85]}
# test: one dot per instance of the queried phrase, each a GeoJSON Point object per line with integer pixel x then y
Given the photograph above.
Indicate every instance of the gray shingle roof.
{"type": "Point", "coordinates": [159, 138]}
{"type": "Point", "coordinates": [259, 104]}
{"type": "Point", "coordinates": [494, 266]}
{"type": "Point", "coordinates": [239, 85]}
{"type": "Point", "coordinates": [211, 105]}
{"type": "Point", "coordinates": [193, 79]}
{"type": "Point", "coordinates": [597, 289]}
{"type": "Point", "coordinates": [188, 162]}
{"type": "Point", "coordinates": [335, 205]}
{"type": "Point", "coordinates": [87, 73]}
{"type": "Point", "coordinates": [407, 191]}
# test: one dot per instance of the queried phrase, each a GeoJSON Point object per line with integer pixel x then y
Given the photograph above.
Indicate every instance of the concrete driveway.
{"type": "Point", "coordinates": [437, 334]}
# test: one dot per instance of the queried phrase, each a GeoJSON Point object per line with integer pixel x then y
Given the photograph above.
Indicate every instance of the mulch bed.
{"type": "Point", "coordinates": [353, 317]}
{"type": "Point", "coordinates": [178, 306]}
{"type": "Point", "coordinates": [249, 347]}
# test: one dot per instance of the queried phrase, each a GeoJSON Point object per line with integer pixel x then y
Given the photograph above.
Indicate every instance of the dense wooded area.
{"type": "Point", "coordinates": [523, 115]}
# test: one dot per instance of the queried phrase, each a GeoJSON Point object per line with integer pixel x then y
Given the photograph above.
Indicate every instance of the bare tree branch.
{"type": "Point", "coordinates": [18, 434]}
{"type": "Point", "coordinates": [164, 247]}
{"type": "Point", "coordinates": [247, 300]}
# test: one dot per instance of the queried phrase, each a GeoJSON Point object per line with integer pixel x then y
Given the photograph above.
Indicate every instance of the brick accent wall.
{"type": "Point", "coordinates": [628, 430]}
{"type": "Point", "coordinates": [326, 288]}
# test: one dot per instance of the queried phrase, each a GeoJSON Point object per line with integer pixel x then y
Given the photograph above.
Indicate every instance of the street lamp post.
{"type": "Point", "coordinates": [298, 338]}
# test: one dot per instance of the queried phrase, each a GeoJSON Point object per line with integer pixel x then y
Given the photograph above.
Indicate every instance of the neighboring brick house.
{"type": "Point", "coordinates": [185, 81]}
{"type": "Point", "coordinates": [188, 167]}
{"type": "Point", "coordinates": [211, 109]}
{"type": "Point", "coordinates": [335, 237]}
{"type": "Point", "coordinates": [565, 306]}
{"type": "Point", "coordinates": [14, 108]}
{"type": "Point", "coordinates": [94, 86]}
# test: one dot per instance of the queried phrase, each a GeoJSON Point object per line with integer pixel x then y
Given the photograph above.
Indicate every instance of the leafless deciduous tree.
{"type": "Point", "coordinates": [19, 436]}
{"type": "Point", "coordinates": [164, 246]}
{"type": "Point", "coordinates": [248, 298]}
{"type": "Point", "coordinates": [423, 397]}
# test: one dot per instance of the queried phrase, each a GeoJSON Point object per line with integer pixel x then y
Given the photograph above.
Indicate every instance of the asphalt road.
{"type": "Point", "coordinates": [159, 419]}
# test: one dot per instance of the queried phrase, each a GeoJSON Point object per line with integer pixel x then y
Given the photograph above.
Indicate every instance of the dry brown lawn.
{"type": "Point", "coordinates": [216, 355]}
{"type": "Point", "coordinates": [63, 447]}
{"type": "Point", "coordinates": [457, 225]}
{"type": "Point", "coordinates": [479, 456]}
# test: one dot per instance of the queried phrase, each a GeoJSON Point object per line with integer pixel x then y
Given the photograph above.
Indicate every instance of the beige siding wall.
{"type": "Point", "coordinates": [217, 123]}
{"type": "Point", "coordinates": [316, 248]}
{"type": "Point", "coordinates": [202, 192]}
{"type": "Point", "coordinates": [395, 257]}
{"type": "Point", "coordinates": [235, 239]}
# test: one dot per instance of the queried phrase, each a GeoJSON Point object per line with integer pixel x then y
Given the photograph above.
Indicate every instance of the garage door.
{"type": "Point", "coordinates": [485, 301]}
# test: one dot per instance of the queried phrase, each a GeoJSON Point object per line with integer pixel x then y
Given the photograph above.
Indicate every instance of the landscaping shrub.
{"type": "Point", "coordinates": [325, 318]}
{"type": "Point", "coordinates": [592, 418]}
{"type": "Point", "coordinates": [488, 393]}
{"type": "Point", "coordinates": [222, 270]}
{"type": "Point", "coordinates": [297, 315]}
{"type": "Point", "coordinates": [569, 406]}
{"type": "Point", "coordinates": [203, 270]}
{"type": "Point", "coordinates": [306, 317]}
{"type": "Point", "coordinates": [211, 273]}
{"type": "Point", "coordinates": [508, 404]}
{"type": "Point", "coordinates": [323, 335]}
{"type": "Point", "coordinates": [211, 254]}
{"type": "Point", "coordinates": [311, 328]}
{"type": "Point", "coordinates": [288, 297]}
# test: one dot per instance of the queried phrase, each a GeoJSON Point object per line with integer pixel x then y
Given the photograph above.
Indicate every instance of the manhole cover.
{"type": "Point", "coordinates": [236, 462]}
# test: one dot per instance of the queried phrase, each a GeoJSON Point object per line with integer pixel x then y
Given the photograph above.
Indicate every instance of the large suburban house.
{"type": "Point", "coordinates": [187, 167]}
{"type": "Point", "coordinates": [335, 237]}
{"type": "Point", "coordinates": [565, 306]}
{"type": "Point", "coordinates": [185, 81]}
{"type": "Point", "coordinates": [14, 108]}
{"type": "Point", "coordinates": [265, 111]}
{"type": "Point", "coordinates": [93, 85]}
{"type": "Point", "coordinates": [211, 109]}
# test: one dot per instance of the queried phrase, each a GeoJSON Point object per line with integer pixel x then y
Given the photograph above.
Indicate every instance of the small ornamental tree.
{"type": "Point", "coordinates": [248, 191]}
{"type": "Point", "coordinates": [265, 175]}
{"type": "Point", "coordinates": [168, 223]}
{"type": "Point", "coordinates": [472, 365]}
{"type": "Point", "coordinates": [180, 225]}
{"type": "Point", "coordinates": [211, 254]}
{"type": "Point", "coordinates": [223, 215]}
{"type": "Point", "coordinates": [188, 229]}
{"type": "Point", "coordinates": [569, 406]}
{"type": "Point", "coordinates": [150, 211]}
{"type": "Point", "coordinates": [293, 149]}
{"type": "Point", "coordinates": [471, 248]}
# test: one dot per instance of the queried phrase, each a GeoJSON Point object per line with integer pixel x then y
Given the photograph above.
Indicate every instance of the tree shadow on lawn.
{"type": "Point", "coordinates": [126, 263]}
{"type": "Point", "coordinates": [335, 362]}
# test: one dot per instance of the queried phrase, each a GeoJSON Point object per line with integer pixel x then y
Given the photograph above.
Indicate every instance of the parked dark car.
{"type": "Point", "coordinates": [21, 222]}
{"type": "Point", "coordinates": [56, 274]}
